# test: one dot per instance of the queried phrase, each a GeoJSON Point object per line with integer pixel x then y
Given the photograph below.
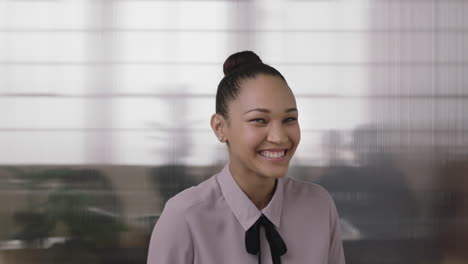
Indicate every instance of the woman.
{"type": "Point", "coordinates": [250, 212]}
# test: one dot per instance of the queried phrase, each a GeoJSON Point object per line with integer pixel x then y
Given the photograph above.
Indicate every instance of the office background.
{"type": "Point", "coordinates": [105, 107]}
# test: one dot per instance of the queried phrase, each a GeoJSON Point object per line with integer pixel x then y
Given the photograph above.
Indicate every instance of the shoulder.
{"type": "Point", "coordinates": [298, 189]}
{"type": "Point", "coordinates": [205, 192]}
{"type": "Point", "coordinates": [310, 197]}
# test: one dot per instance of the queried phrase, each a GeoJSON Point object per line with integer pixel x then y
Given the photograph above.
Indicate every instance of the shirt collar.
{"type": "Point", "coordinates": [242, 207]}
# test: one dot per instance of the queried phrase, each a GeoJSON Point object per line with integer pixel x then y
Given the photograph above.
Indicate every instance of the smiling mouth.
{"type": "Point", "coordinates": [273, 154]}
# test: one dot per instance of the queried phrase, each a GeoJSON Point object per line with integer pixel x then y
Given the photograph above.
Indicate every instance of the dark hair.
{"type": "Point", "coordinates": [237, 68]}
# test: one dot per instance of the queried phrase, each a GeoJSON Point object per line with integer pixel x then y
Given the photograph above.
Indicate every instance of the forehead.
{"type": "Point", "coordinates": [265, 91]}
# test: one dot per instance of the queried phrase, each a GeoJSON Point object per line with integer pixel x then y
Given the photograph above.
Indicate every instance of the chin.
{"type": "Point", "coordinates": [276, 173]}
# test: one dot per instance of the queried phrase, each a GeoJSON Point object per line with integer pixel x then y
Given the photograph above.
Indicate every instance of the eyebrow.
{"type": "Point", "coordinates": [264, 110]}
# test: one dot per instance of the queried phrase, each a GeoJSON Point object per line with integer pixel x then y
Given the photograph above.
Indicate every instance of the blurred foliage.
{"type": "Point", "coordinates": [171, 179]}
{"type": "Point", "coordinates": [79, 201]}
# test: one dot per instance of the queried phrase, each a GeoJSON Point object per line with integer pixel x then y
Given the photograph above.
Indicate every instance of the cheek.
{"type": "Point", "coordinates": [295, 134]}
{"type": "Point", "coordinates": [251, 136]}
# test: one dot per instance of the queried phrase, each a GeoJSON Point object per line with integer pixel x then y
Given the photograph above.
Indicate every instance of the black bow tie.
{"type": "Point", "coordinates": [252, 240]}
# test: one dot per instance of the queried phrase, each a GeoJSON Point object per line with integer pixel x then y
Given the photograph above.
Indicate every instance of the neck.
{"type": "Point", "coordinates": [259, 189]}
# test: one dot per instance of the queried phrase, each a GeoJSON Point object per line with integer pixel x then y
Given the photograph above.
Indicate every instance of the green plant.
{"type": "Point", "coordinates": [80, 201]}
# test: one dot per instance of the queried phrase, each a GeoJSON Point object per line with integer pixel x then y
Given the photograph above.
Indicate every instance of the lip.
{"type": "Point", "coordinates": [275, 150]}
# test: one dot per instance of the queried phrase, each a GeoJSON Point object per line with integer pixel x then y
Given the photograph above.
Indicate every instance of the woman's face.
{"type": "Point", "coordinates": [263, 130]}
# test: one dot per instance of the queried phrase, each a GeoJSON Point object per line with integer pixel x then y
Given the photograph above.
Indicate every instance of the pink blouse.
{"type": "Point", "coordinates": [206, 224]}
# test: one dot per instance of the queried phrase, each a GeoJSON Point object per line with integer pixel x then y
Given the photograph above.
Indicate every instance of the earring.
{"type": "Point", "coordinates": [221, 139]}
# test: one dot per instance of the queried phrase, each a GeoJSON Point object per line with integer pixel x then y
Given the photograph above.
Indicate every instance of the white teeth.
{"type": "Point", "coordinates": [270, 154]}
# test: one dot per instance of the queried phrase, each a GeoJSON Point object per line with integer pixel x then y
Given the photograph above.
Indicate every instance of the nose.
{"type": "Point", "coordinates": [277, 134]}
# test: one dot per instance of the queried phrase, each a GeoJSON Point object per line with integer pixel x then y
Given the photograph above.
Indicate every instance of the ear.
{"type": "Point", "coordinates": [219, 125]}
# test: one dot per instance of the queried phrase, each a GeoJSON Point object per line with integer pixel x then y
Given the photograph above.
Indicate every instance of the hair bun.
{"type": "Point", "coordinates": [239, 59]}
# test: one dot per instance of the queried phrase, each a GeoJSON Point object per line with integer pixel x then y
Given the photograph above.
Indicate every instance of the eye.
{"type": "Point", "coordinates": [290, 119]}
{"type": "Point", "coordinates": [258, 120]}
